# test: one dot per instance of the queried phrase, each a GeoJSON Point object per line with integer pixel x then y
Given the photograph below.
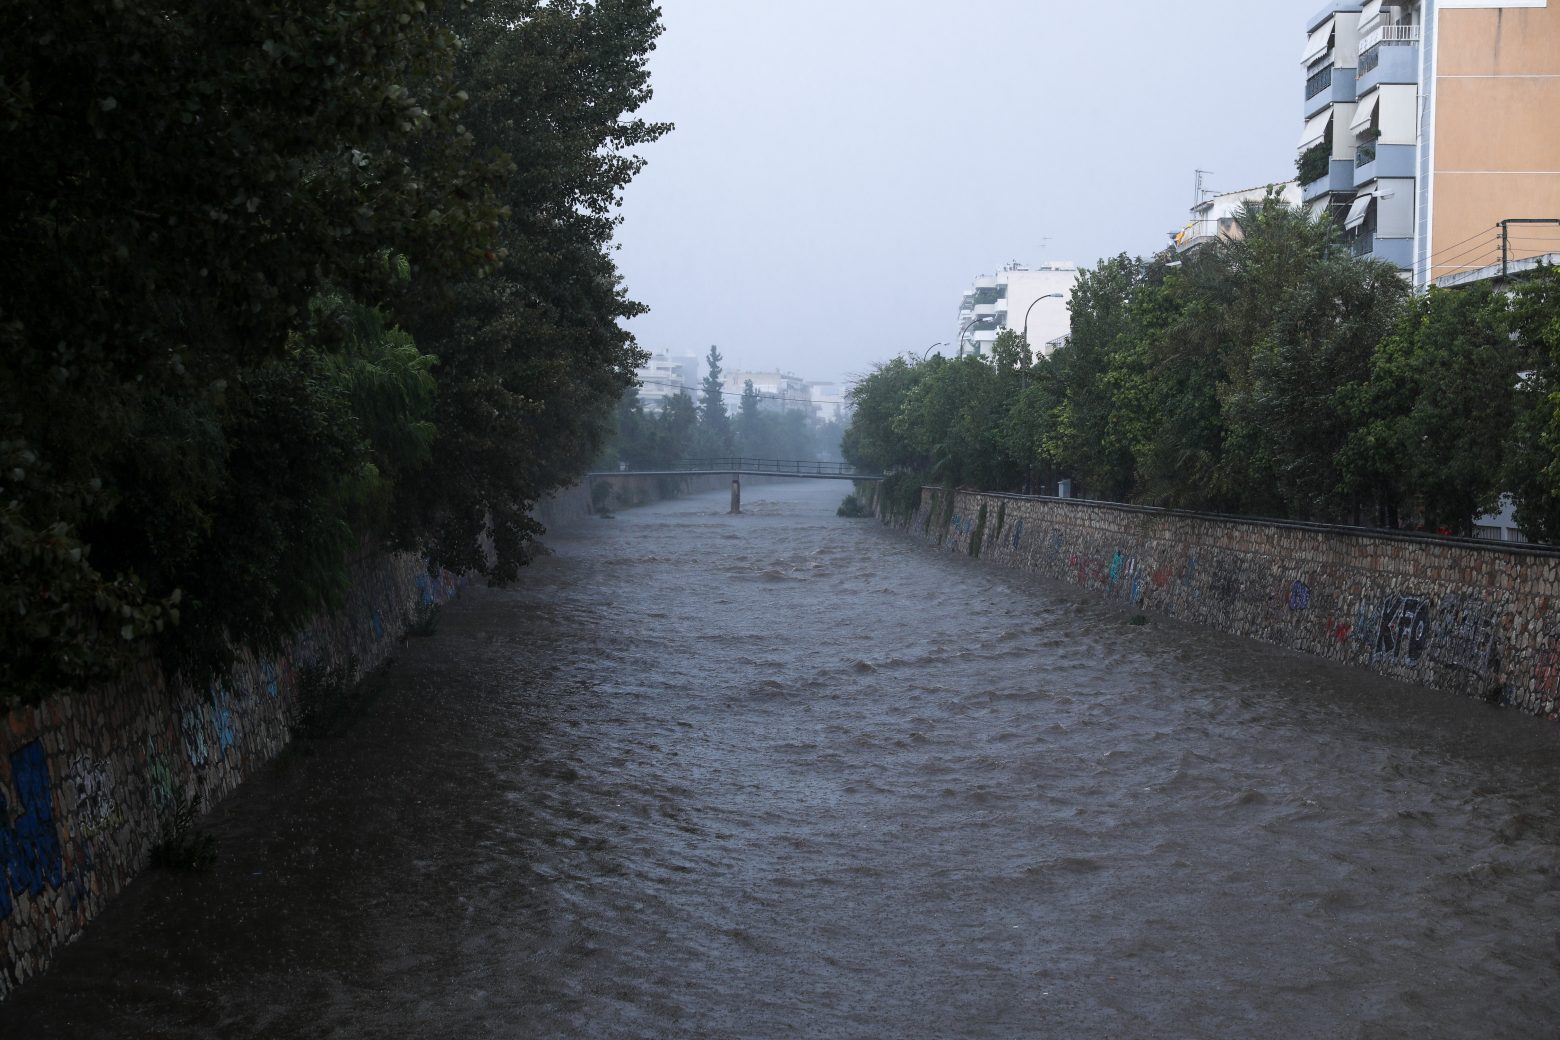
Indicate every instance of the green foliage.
{"type": "Point", "coordinates": [182, 846]}
{"type": "Point", "coordinates": [854, 508]}
{"type": "Point", "coordinates": [1432, 421]}
{"type": "Point", "coordinates": [1532, 467]}
{"type": "Point", "coordinates": [1314, 163]}
{"type": "Point", "coordinates": [274, 276]}
{"type": "Point", "coordinates": [533, 358]}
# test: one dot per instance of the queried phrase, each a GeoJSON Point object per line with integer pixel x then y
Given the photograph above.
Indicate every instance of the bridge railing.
{"type": "Point", "coordinates": [781, 467]}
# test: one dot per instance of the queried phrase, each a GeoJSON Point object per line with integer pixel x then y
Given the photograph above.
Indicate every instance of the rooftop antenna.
{"type": "Point", "coordinates": [1199, 190]}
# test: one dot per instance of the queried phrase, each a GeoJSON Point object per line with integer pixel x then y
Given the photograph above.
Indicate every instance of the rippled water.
{"type": "Point", "coordinates": [785, 775]}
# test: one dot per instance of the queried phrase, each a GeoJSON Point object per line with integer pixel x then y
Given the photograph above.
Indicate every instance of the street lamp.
{"type": "Point", "coordinates": [1047, 296]}
{"type": "Point", "coordinates": [962, 331]}
{"type": "Point", "coordinates": [928, 350]}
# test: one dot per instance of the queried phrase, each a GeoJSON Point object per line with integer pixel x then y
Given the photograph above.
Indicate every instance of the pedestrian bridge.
{"type": "Point", "coordinates": [742, 467]}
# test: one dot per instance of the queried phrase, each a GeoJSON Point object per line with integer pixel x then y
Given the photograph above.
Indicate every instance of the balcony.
{"type": "Point", "coordinates": [1384, 160]}
{"type": "Point", "coordinates": [1340, 178]}
{"type": "Point", "coordinates": [983, 311]}
{"type": "Point", "coordinates": [1339, 89]}
{"type": "Point", "coordinates": [1388, 36]}
{"type": "Point", "coordinates": [1399, 251]}
{"type": "Point", "coordinates": [1318, 83]}
{"type": "Point", "coordinates": [1394, 60]}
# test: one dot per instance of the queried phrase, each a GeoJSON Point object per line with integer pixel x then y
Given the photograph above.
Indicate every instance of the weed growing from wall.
{"type": "Point", "coordinates": [182, 845]}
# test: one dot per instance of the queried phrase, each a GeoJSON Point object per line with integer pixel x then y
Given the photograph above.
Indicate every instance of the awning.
{"type": "Point", "coordinates": [1315, 130]}
{"type": "Point", "coordinates": [1364, 113]}
{"type": "Point", "coordinates": [1319, 43]}
{"type": "Point", "coordinates": [1372, 10]}
{"type": "Point", "coordinates": [1358, 211]}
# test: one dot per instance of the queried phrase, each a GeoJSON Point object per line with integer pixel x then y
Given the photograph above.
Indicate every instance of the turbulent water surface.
{"type": "Point", "coordinates": [787, 775]}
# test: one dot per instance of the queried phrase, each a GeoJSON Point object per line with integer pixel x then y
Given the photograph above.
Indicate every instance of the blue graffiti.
{"type": "Point", "coordinates": [269, 678]}
{"type": "Point", "coordinates": [1018, 532]}
{"type": "Point", "coordinates": [29, 848]}
{"type": "Point", "coordinates": [424, 590]}
{"type": "Point", "coordinates": [1300, 596]}
{"type": "Point", "coordinates": [222, 716]}
{"type": "Point", "coordinates": [1115, 566]}
{"type": "Point", "coordinates": [377, 623]}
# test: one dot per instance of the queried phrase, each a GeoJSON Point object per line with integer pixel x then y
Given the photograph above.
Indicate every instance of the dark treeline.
{"type": "Point", "coordinates": [1275, 375]}
{"type": "Point", "coordinates": [683, 429]}
{"type": "Point", "coordinates": [284, 283]}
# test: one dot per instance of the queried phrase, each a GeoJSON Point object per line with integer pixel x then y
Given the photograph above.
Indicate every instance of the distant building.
{"type": "Point", "coordinates": [1214, 216]}
{"type": "Point", "coordinates": [1004, 301]}
{"type": "Point", "coordinates": [1436, 122]}
{"type": "Point", "coordinates": [777, 391]}
{"type": "Point", "coordinates": [829, 402]}
{"type": "Point", "coordinates": [667, 375]}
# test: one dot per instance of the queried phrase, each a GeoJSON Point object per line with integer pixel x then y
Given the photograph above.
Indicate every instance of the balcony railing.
{"type": "Point", "coordinates": [1390, 36]}
{"type": "Point", "coordinates": [1318, 83]}
{"type": "Point", "coordinates": [1384, 36]}
{"type": "Point", "coordinates": [1365, 155]}
{"type": "Point", "coordinates": [1364, 244]}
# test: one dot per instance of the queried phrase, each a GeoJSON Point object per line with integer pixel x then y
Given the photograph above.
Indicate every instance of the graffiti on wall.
{"type": "Point", "coordinates": [222, 718]}
{"type": "Point", "coordinates": [93, 789]}
{"type": "Point", "coordinates": [1464, 634]}
{"type": "Point", "coordinates": [30, 855]}
{"type": "Point", "coordinates": [160, 778]}
{"type": "Point", "coordinates": [192, 727]}
{"type": "Point", "coordinates": [1300, 596]}
{"type": "Point", "coordinates": [1404, 628]}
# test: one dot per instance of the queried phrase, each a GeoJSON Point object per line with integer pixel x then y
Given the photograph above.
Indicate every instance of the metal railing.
{"type": "Point", "coordinates": [792, 467]}
{"type": "Point", "coordinates": [1385, 36]}
{"type": "Point", "coordinates": [1389, 36]}
{"type": "Point", "coordinates": [1318, 83]}
{"type": "Point", "coordinates": [1364, 244]}
{"type": "Point", "coordinates": [1364, 155]}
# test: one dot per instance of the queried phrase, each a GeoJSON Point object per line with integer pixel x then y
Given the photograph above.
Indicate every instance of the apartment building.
{"type": "Point", "coordinates": [1429, 131]}
{"type": "Point", "coordinates": [777, 391]}
{"type": "Point", "coordinates": [1216, 214]}
{"type": "Point", "coordinates": [666, 375]}
{"type": "Point", "coordinates": [1012, 297]}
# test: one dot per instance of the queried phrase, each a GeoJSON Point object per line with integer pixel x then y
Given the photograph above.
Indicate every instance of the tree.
{"type": "Point", "coordinates": [533, 357]}
{"type": "Point", "coordinates": [715, 434]}
{"type": "Point", "coordinates": [1532, 471]}
{"type": "Point", "coordinates": [180, 183]}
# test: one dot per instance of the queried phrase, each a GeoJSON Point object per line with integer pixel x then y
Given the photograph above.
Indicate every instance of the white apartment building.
{"type": "Point", "coordinates": [829, 402]}
{"type": "Point", "coordinates": [1018, 298]}
{"type": "Point", "coordinates": [667, 375]}
{"type": "Point", "coordinates": [777, 391]}
{"type": "Point", "coordinates": [1214, 215]}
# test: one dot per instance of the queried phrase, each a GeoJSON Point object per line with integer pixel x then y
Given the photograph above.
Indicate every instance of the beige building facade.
{"type": "Point", "coordinates": [1494, 146]}
{"type": "Point", "coordinates": [1438, 121]}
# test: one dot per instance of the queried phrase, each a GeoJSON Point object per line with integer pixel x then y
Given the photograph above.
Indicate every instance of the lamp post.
{"type": "Point", "coordinates": [1047, 296]}
{"type": "Point", "coordinates": [929, 349]}
{"type": "Point", "coordinates": [962, 330]}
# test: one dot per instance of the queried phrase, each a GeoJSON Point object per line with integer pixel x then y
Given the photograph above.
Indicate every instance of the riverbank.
{"type": "Point", "coordinates": [1474, 618]}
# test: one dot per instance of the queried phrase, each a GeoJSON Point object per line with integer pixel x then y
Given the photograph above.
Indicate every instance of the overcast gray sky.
{"type": "Point", "coordinates": [842, 169]}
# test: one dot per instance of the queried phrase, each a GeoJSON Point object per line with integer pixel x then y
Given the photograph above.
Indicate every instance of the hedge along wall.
{"type": "Point", "coordinates": [86, 781]}
{"type": "Point", "coordinates": [1472, 617]}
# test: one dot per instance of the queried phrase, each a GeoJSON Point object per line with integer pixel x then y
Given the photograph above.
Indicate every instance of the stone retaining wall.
{"type": "Point", "coordinates": [87, 781]}
{"type": "Point", "coordinates": [1477, 618]}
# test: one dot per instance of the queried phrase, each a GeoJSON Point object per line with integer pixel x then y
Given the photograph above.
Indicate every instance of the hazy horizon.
{"type": "Point", "coordinates": [840, 173]}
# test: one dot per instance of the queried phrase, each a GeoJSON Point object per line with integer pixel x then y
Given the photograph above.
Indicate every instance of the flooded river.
{"type": "Point", "coordinates": [787, 775]}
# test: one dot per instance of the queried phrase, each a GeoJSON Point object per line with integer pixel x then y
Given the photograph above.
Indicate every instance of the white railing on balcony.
{"type": "Point", "coordinates": [1390, 36]}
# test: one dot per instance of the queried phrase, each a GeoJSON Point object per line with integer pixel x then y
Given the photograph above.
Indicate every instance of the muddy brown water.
{"type": "Point", "coordinates": [787, 775]}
